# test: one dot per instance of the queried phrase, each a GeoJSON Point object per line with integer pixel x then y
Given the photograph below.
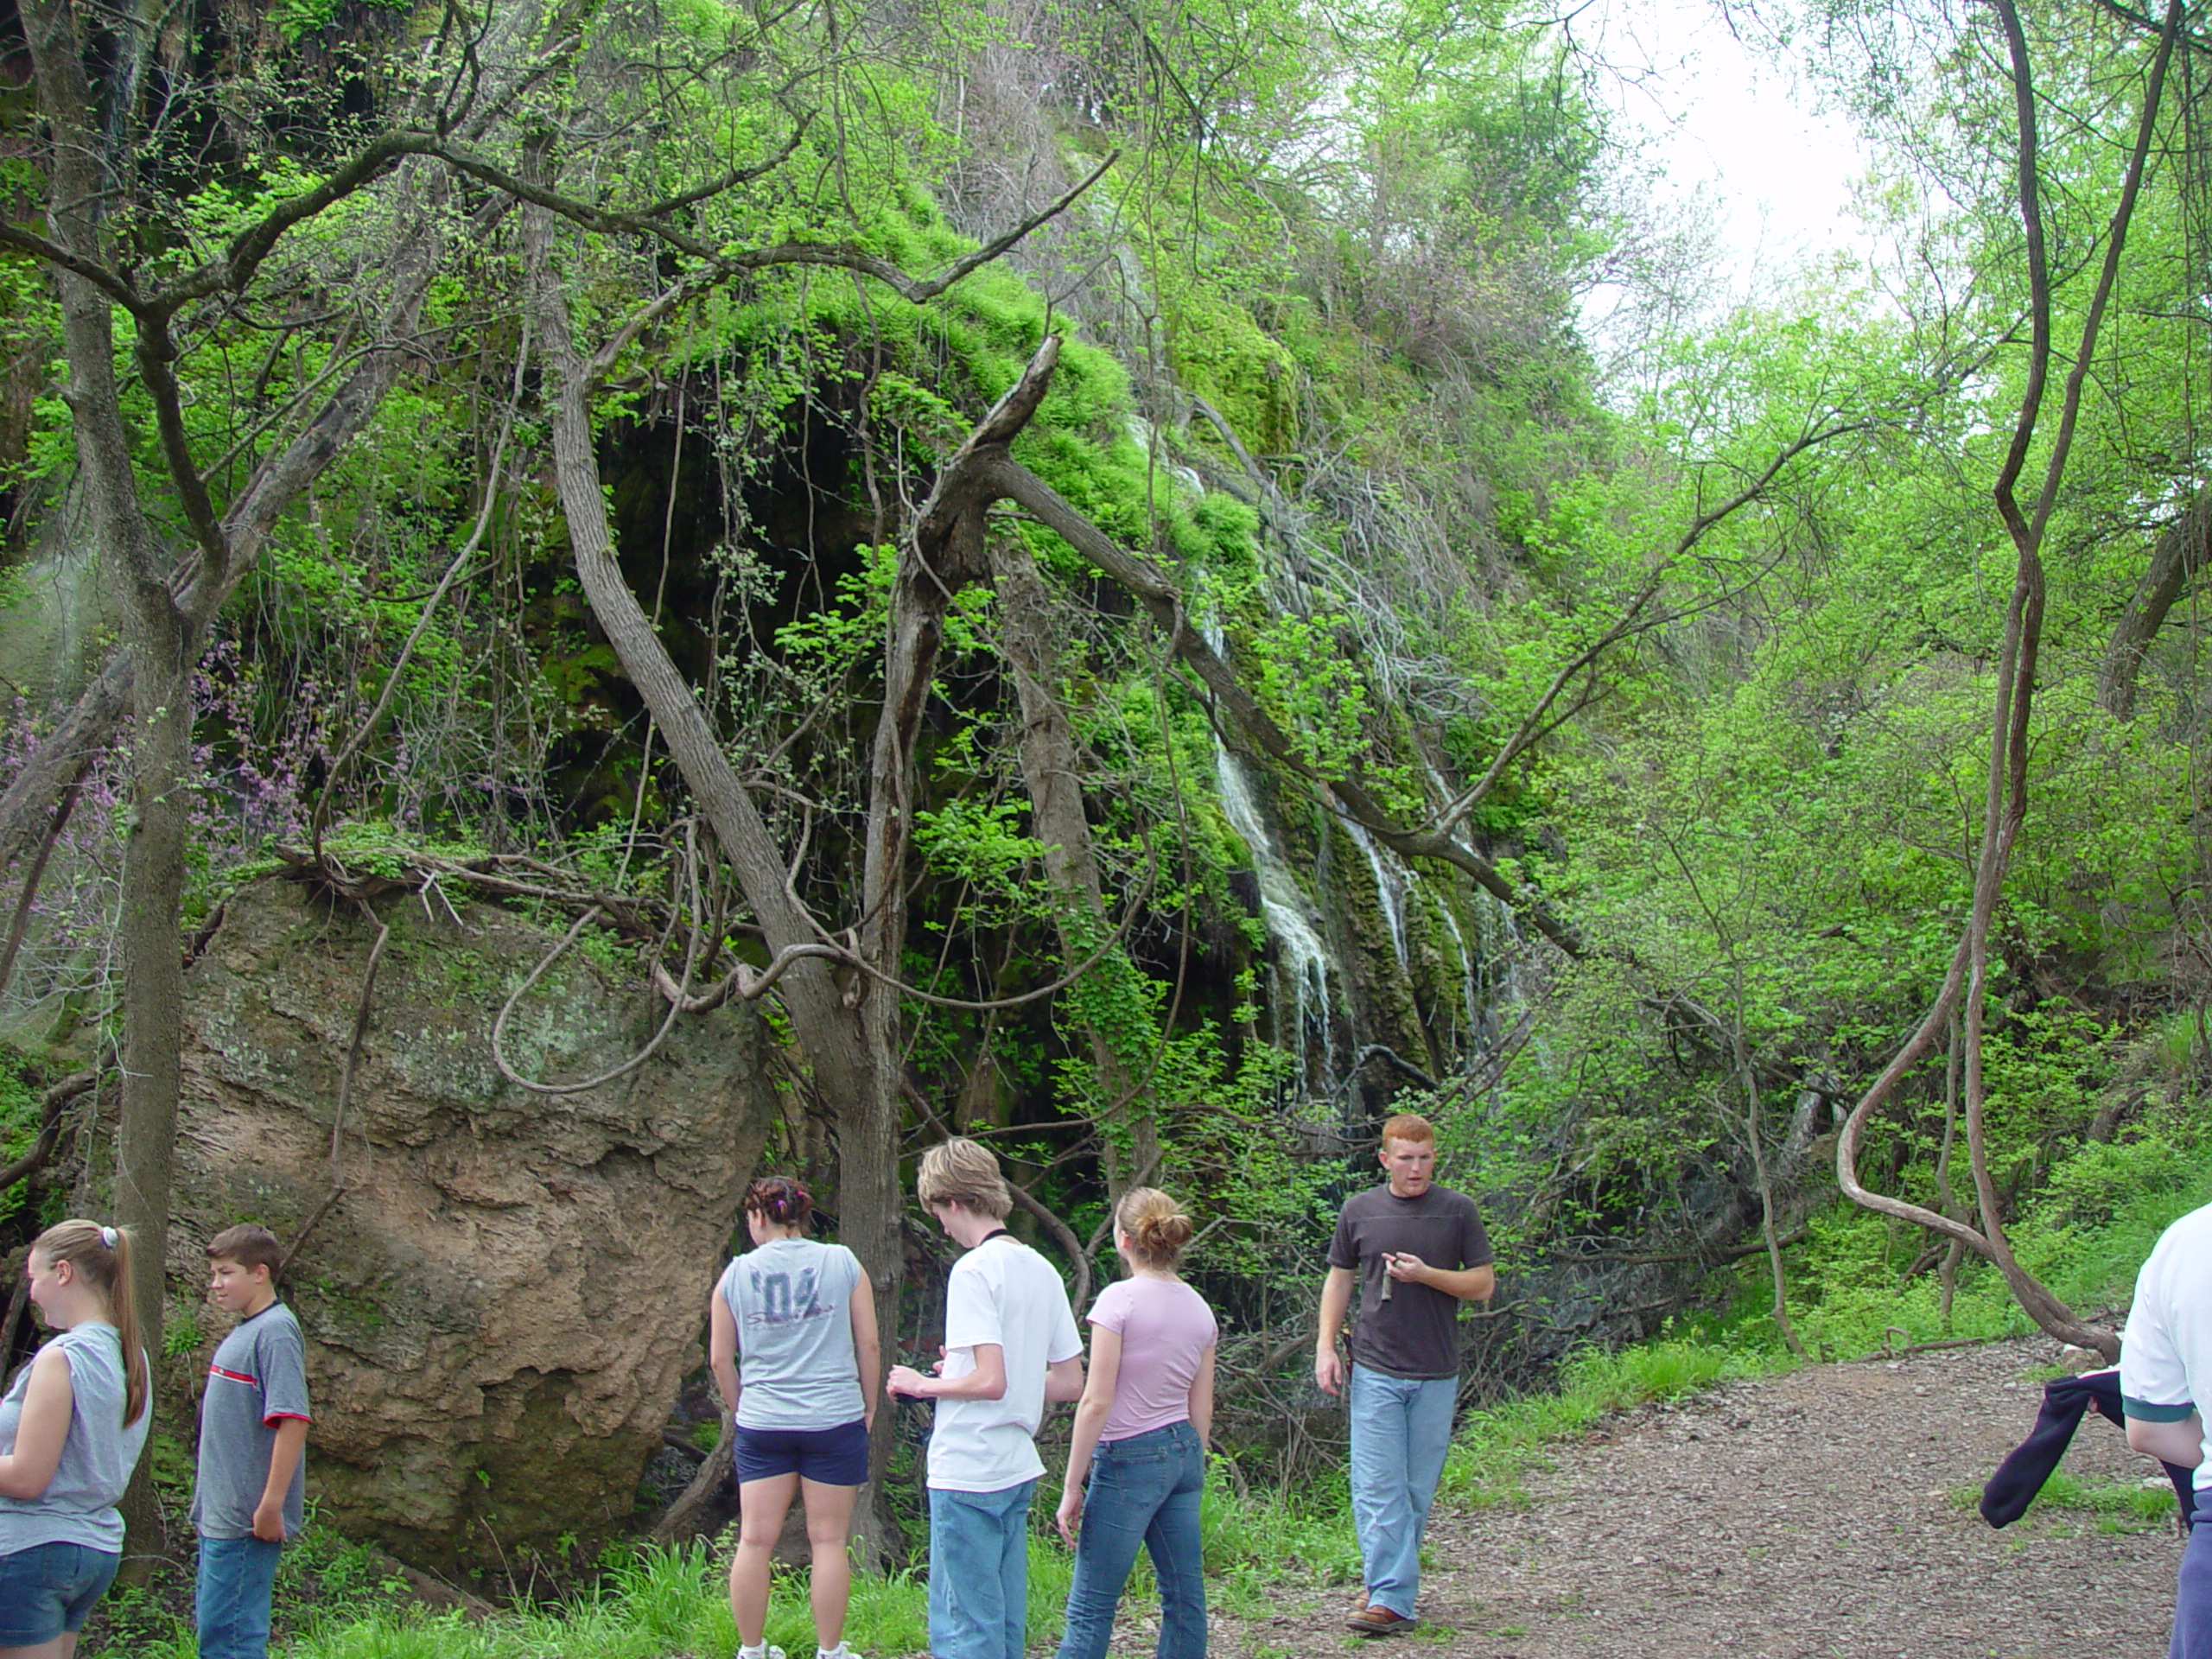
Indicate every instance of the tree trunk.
{"type": "Point", "coordinates": [2179, 554]}
{"type": "Point", "coordinates": [160, 728]}
{"type": "Point", "coordinates": [1108, 999]}
{"type": "Point", "coordinates": [847, 1038]}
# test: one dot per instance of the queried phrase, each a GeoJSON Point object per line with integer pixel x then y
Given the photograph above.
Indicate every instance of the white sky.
{"type": "Point", "coordinates": [1725, 119]}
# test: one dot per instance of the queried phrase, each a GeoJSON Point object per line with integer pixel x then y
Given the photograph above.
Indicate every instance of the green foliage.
{"type": "Point", "coordinates": [170, 1466]}
{"type": "Point", "coordinates": [20, 1107]}
{"type": "Point", "coordinates": [180, 1330]}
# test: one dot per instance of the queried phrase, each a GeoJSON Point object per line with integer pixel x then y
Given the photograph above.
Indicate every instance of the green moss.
{"type": "Point", "coordinates": [1218, 352]}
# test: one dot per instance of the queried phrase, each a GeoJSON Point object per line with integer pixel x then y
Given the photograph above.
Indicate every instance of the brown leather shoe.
{"type": "Point", "coordinates": [1376, 1619]}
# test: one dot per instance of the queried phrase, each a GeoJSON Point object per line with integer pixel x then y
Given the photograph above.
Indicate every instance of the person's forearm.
{"type": "Point", "coordinates": [284, 1459]}
{"type": "Point", "coordinates": [1090, 1419]}
{"type": "Point", "coordinates": [20, 1482]}
{"type": "Point", "coordinates": [869, 1357]}
{"type": "Point", "coordinates": [974, 1385]}
{"type": "Point", "coordinates": [1468, 1284]}
{"type": "Point", "coordinates": [726, 1385]}
{"type": "Point", "coordinates": [1336, 1302]}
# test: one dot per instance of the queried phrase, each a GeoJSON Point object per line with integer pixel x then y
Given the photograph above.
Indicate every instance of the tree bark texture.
{"type": "Point", "coordinates": [1051, 767]}
{"type": "Point", "coordinates": [847, 1038]}
{"type": "Point", "coordinates": [2178, 555]}
{"type": "Point", "coordinates": [160, 705]}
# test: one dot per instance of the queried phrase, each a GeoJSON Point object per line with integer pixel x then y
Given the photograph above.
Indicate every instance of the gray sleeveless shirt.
{"type": "Point", "coordinates": [791, 1298]}
{"type": "Point", "coordinates": [78, 1504]}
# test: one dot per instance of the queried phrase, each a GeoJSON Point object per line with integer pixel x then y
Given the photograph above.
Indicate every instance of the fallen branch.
{"type": "Point", "coordinates": [50, 1128]}
{"type": "Point", "coordinates": [33, 876]}
{"type": "Point", "coordinates": [681, 1523]}
{"type": "Point", "coordinates": [1715, 1253]}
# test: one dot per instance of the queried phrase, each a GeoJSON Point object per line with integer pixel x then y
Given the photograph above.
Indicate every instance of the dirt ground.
{"type": "Point", "coordinates": [1810, 1516]}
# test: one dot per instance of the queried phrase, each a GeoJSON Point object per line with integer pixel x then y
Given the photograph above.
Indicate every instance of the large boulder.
{"type": "Point", "coordinates": [502, 1302]}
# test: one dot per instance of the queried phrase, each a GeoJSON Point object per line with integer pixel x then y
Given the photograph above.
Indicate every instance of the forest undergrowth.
{"type": "Point", "coordinates": [1854, 1295]}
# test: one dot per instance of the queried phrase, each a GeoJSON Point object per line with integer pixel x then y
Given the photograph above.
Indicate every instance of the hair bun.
{"type": "Point", "coordinates": [782, 1199]}
{"type": "Point", "coordinates": [1155, 1225]}
{"type": "Point", "coordinates": [1171, 1231]}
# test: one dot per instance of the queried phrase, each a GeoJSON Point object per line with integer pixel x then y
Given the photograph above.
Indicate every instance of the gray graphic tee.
{"type": "Point", "coordinates": [259, 1379]}
{"type": "Point", "coordinates": [792, 1300]}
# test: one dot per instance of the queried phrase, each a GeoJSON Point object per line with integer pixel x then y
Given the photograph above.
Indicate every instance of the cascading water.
{"type": "Point", "coordinates": [1283, 907]}
{"type": "Point", "coordinates": [1392, 882]}
{"type": "Point", "coordinates": [1289, 917]}
{"type": "Point", "coordinates": [1469, 970]}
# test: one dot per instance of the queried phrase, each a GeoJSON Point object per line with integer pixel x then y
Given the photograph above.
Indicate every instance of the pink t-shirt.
{"type": "Point", "coordinates": [1166, 1328]}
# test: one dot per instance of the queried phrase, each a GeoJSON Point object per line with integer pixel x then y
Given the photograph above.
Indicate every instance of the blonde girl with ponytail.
{"type": "Point", "coordinates": [1137, 1462]}
{"type": "Point", "coordinates": [70, 1431]}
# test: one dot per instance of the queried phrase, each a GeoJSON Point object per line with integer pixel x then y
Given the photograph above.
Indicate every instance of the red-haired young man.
{"type": "Point", "coordinates": [1416, 1250]}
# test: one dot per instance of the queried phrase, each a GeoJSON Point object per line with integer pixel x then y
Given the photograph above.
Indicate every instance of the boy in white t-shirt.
{"type": "Point", "coordinates": [1010, 1350]}
{"type": "Point", "coordinates": [2165, 1387]}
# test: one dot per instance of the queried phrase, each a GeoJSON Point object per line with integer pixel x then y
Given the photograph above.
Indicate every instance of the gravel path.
{"type": "Point", "coordinates": [1806, 1516]}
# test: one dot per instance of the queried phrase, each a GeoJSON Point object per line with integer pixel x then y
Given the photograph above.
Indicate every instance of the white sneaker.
{"type": "Point", "coordinates": [841, 1651]}
{"type": "Point", "coordinates": [764, 1651]}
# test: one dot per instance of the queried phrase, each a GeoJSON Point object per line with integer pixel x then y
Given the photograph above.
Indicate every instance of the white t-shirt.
{"type": "Point", "coordinates": [1005, 1292]}
{"type": "Point", "coordinates": [2165, 1356]}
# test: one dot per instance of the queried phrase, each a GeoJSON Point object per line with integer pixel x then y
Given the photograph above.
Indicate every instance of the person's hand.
{"type": "Point", "coordinates": [269, 1520]}
{"type": "Point", "coordinates": [1404, 1266]}
{"type": "Point", "coordinates": [1070, 1514]}
{"type": "Point", "coordinates": [1328, 1369]}
{"type": "Point", "coordinates": [908, 1382]}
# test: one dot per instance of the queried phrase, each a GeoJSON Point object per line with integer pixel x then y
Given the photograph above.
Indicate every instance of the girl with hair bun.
{"type": "Point", "coordinates": [70, 1431]}
{"type": "Point", "coordinates": [801, 1315]}
{"type": "Point", "coordinates": [1137, 1462]}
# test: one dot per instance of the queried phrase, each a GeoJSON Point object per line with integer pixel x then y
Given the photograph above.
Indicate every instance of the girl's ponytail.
{"type": "Point", "coordinates": [136, 1384]}
{"type": "Point", "coordinates": [102, 1255]}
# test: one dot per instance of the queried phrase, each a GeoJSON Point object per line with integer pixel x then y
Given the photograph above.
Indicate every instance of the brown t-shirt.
{"type": "Point", "coordinates": [1415, 1334]}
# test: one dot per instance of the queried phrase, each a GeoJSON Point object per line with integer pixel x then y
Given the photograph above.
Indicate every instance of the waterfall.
{"type": "Point", "coordinates": [1146, 437]}
{"type": "Point", "coordinates": [1468, 966]}
{"type": "Point", "coordinates": [1286, 910]}
{"type": "Point", "coordinates": [1283, 907]}
{"type": "Point", "coordinates": [1391, 886]}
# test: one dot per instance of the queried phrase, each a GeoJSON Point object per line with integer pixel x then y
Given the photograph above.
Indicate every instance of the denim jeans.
{"type": "Point", "coordinates": [231, 1601]}
{"type": "Point", "coordinates": [1143, 1490]}
{"type": "Point", "coordinates": [1401, 1429]}
{"type": "Point", "coordinates": [2192, 1638]}
{"type": "Point", "coordinates": [979, 1572]}
{"type": "Point", "coordinates": [49, 1588]}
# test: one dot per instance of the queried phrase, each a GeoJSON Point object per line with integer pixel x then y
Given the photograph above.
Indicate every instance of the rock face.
{"type": "Point", "coordinates": [501, 1305]}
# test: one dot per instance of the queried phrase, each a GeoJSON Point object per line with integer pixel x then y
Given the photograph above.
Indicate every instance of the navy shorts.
{"type": "Point", "coordinates": [829, 1457]}
{"type": "Point", "coordinates": [50, 1588]}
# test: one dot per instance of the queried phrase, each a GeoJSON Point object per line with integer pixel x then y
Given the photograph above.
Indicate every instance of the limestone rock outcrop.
{"type": "Point", "coordinates": [500, 1306]}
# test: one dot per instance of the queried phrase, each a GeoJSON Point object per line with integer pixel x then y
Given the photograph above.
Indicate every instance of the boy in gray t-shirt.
{"type": "Point", "coordinates": [253, 1429]}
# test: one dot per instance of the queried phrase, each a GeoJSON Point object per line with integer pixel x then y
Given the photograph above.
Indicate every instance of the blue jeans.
{"type": "Point", "coordinates": [231, 1601]}
{"type": "Point", "coordinates": [1401, 1429]}
{"type": "Point", "coordinates": [1143, 1491]}
{"type": "Point", "coordinates": [979, 1572]}
{"type": "Point", "coordinates": [2192, 1637]}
